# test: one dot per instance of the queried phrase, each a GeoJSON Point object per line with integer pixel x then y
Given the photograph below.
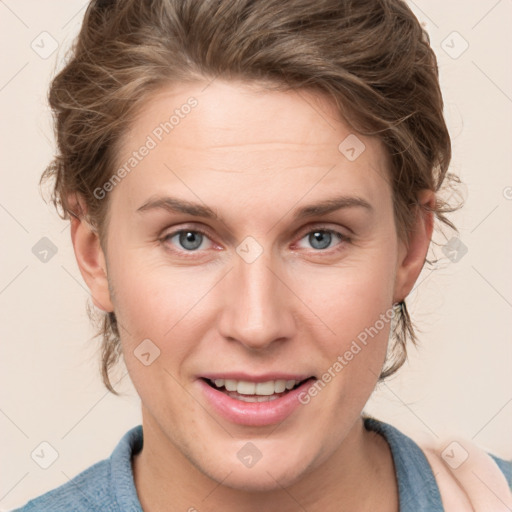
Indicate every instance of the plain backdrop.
{"type": "Point", "coordinates": [459, 381]}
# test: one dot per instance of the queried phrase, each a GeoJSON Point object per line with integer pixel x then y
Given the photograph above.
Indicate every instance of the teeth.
{"type": "Point", "coordinates": [262, 389]}
{"type": "Point", "coordinates": [290, 384]}
{"type": "Point", "coordinates": [280, 386]}
{"type": "Point", "coordinates": [265, 388]}
{"type": "Point", "coordinates": [252, 398]}
{"type": "Point", "coordinates": [230, 384]}
{"type": "Point", "coordinates": [246, 388]}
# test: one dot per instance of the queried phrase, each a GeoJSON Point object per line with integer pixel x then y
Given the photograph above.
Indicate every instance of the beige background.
{"type": "Point", "coordinates": [459, 381]}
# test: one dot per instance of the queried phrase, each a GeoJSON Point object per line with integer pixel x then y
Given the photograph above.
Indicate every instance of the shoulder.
{"type": "Point", "coordinates": [505, 467]}
{"type": "Point", "coordinates": [468, 476]}
{"type": "Point", "coordinates": [86, 491]}
{"type": "Point", "coordinates": [447, 474]}
{"type": "Point", "coordinates": [107, 485]}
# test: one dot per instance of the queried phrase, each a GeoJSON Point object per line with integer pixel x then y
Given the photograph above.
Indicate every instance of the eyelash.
{"type": "Point", "coordinates": [343, 239]}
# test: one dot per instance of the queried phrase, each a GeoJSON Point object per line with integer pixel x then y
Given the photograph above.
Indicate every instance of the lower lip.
{"type": "Point", "coordinates": [254, 413]}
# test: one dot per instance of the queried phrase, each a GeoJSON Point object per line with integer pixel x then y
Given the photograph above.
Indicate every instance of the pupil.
{"type": "Point", "coordinates": [320, 239]}
{"type": "Point", "coordinates": [190, 240]}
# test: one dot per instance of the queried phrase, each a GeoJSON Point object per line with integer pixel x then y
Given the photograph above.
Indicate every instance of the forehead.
{"type": "Point", "coordinates": [226, 137]}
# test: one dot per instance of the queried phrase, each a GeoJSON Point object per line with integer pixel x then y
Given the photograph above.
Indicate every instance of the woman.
{"type": "Point", "coordinates": [252, 189]}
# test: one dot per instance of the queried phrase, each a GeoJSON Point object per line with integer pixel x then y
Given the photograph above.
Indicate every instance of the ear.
{"type": "Point", "coordinates": [412, 254]}
{"type": "Point", "coordinates": [89, 255]}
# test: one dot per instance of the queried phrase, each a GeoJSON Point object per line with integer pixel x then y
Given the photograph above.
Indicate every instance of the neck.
{"type": "Point", "coordinates": [359, 475]}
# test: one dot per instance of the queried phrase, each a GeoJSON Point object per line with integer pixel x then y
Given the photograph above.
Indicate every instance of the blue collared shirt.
{"type": "Point", "coordinates": [108, 485]}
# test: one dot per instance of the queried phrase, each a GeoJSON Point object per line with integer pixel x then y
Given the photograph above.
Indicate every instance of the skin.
{"type": "Point", "coordinates": [254, 157]}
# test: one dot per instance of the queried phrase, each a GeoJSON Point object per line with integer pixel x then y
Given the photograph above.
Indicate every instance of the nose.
{"type": "Point", "coordinates": [258, 305]}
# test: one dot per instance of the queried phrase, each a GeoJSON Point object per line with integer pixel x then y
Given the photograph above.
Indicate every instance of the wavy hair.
{"type": "Point", "coordinates": [371, 57]}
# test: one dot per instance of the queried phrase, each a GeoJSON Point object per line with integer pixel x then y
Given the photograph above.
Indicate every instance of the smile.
{"type": "Point", "coordinates": [247, 391]}
{"type": "Point", "coordinates": [251, 402]}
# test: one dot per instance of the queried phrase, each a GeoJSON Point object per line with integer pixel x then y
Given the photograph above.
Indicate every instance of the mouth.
{"type": "Point", "coordinates": [254, 401]}
{"type": "Point", "coordinates": [249, 391]}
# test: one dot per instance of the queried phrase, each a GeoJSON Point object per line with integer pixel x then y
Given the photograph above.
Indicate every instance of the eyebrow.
{"type": "Point", "coordinates": [175, 205]}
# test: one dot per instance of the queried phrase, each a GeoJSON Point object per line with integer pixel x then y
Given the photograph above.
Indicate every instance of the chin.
{"type": "Point", "coordinates": [262, 480]}
{"type": "Point", "coordinates": [277, 471]}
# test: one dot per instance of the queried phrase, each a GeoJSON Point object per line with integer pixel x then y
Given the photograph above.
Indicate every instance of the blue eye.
{"type": "Point", "coordinates": [194, 240]}
{"type": "Point", "coordinates": [321, 239]}
{"type": "Point", "coordinates": [190, 240]}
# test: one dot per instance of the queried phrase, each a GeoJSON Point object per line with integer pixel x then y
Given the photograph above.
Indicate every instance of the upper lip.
{"type": "Point", "coordinates": [265, 377]}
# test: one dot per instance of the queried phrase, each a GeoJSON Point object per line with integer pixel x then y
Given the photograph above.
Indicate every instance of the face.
{"type": "Point", "coordinates": [230, 286]}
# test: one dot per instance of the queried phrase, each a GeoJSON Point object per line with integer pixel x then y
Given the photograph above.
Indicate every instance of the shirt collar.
{"type": "Point", "coordinates": [417, 488]}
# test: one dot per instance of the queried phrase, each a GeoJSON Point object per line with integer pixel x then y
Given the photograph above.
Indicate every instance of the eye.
{"type": "Point", "coordinates": [322, 239]}
{"type": "Point", "coordinates": [189, 240]}
{"type": "Point", "coordinates": [193, 240]}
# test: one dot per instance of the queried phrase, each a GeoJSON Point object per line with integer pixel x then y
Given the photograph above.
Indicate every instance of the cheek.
{"type": "Point", "coordinates": [360, 314]}
{"type": "Point", "coordinates": [354, 302]}
{"type": "Point", "coordinates": [150, 297]}
{"type": "Point", "coordinates": [351, 297]}
{"type": "Point", "coordinates": [171, 306]}
{"type": "Point", "coordinates": [156, 303]}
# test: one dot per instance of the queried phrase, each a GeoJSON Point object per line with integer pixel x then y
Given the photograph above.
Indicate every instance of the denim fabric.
{"type": "Point", "coordinates": [417, 487]}
{"type": "Point", "coordinates": [108, 485]}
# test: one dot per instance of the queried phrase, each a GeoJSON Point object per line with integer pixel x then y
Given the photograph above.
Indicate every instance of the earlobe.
{"type": "Point", "coordinates": [90, 257]}
{"type": "Point", "coordinates": [412, 256]}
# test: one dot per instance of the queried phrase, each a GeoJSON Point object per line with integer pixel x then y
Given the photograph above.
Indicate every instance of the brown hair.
{"type": "Point", "coordinates": [372, 57]}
